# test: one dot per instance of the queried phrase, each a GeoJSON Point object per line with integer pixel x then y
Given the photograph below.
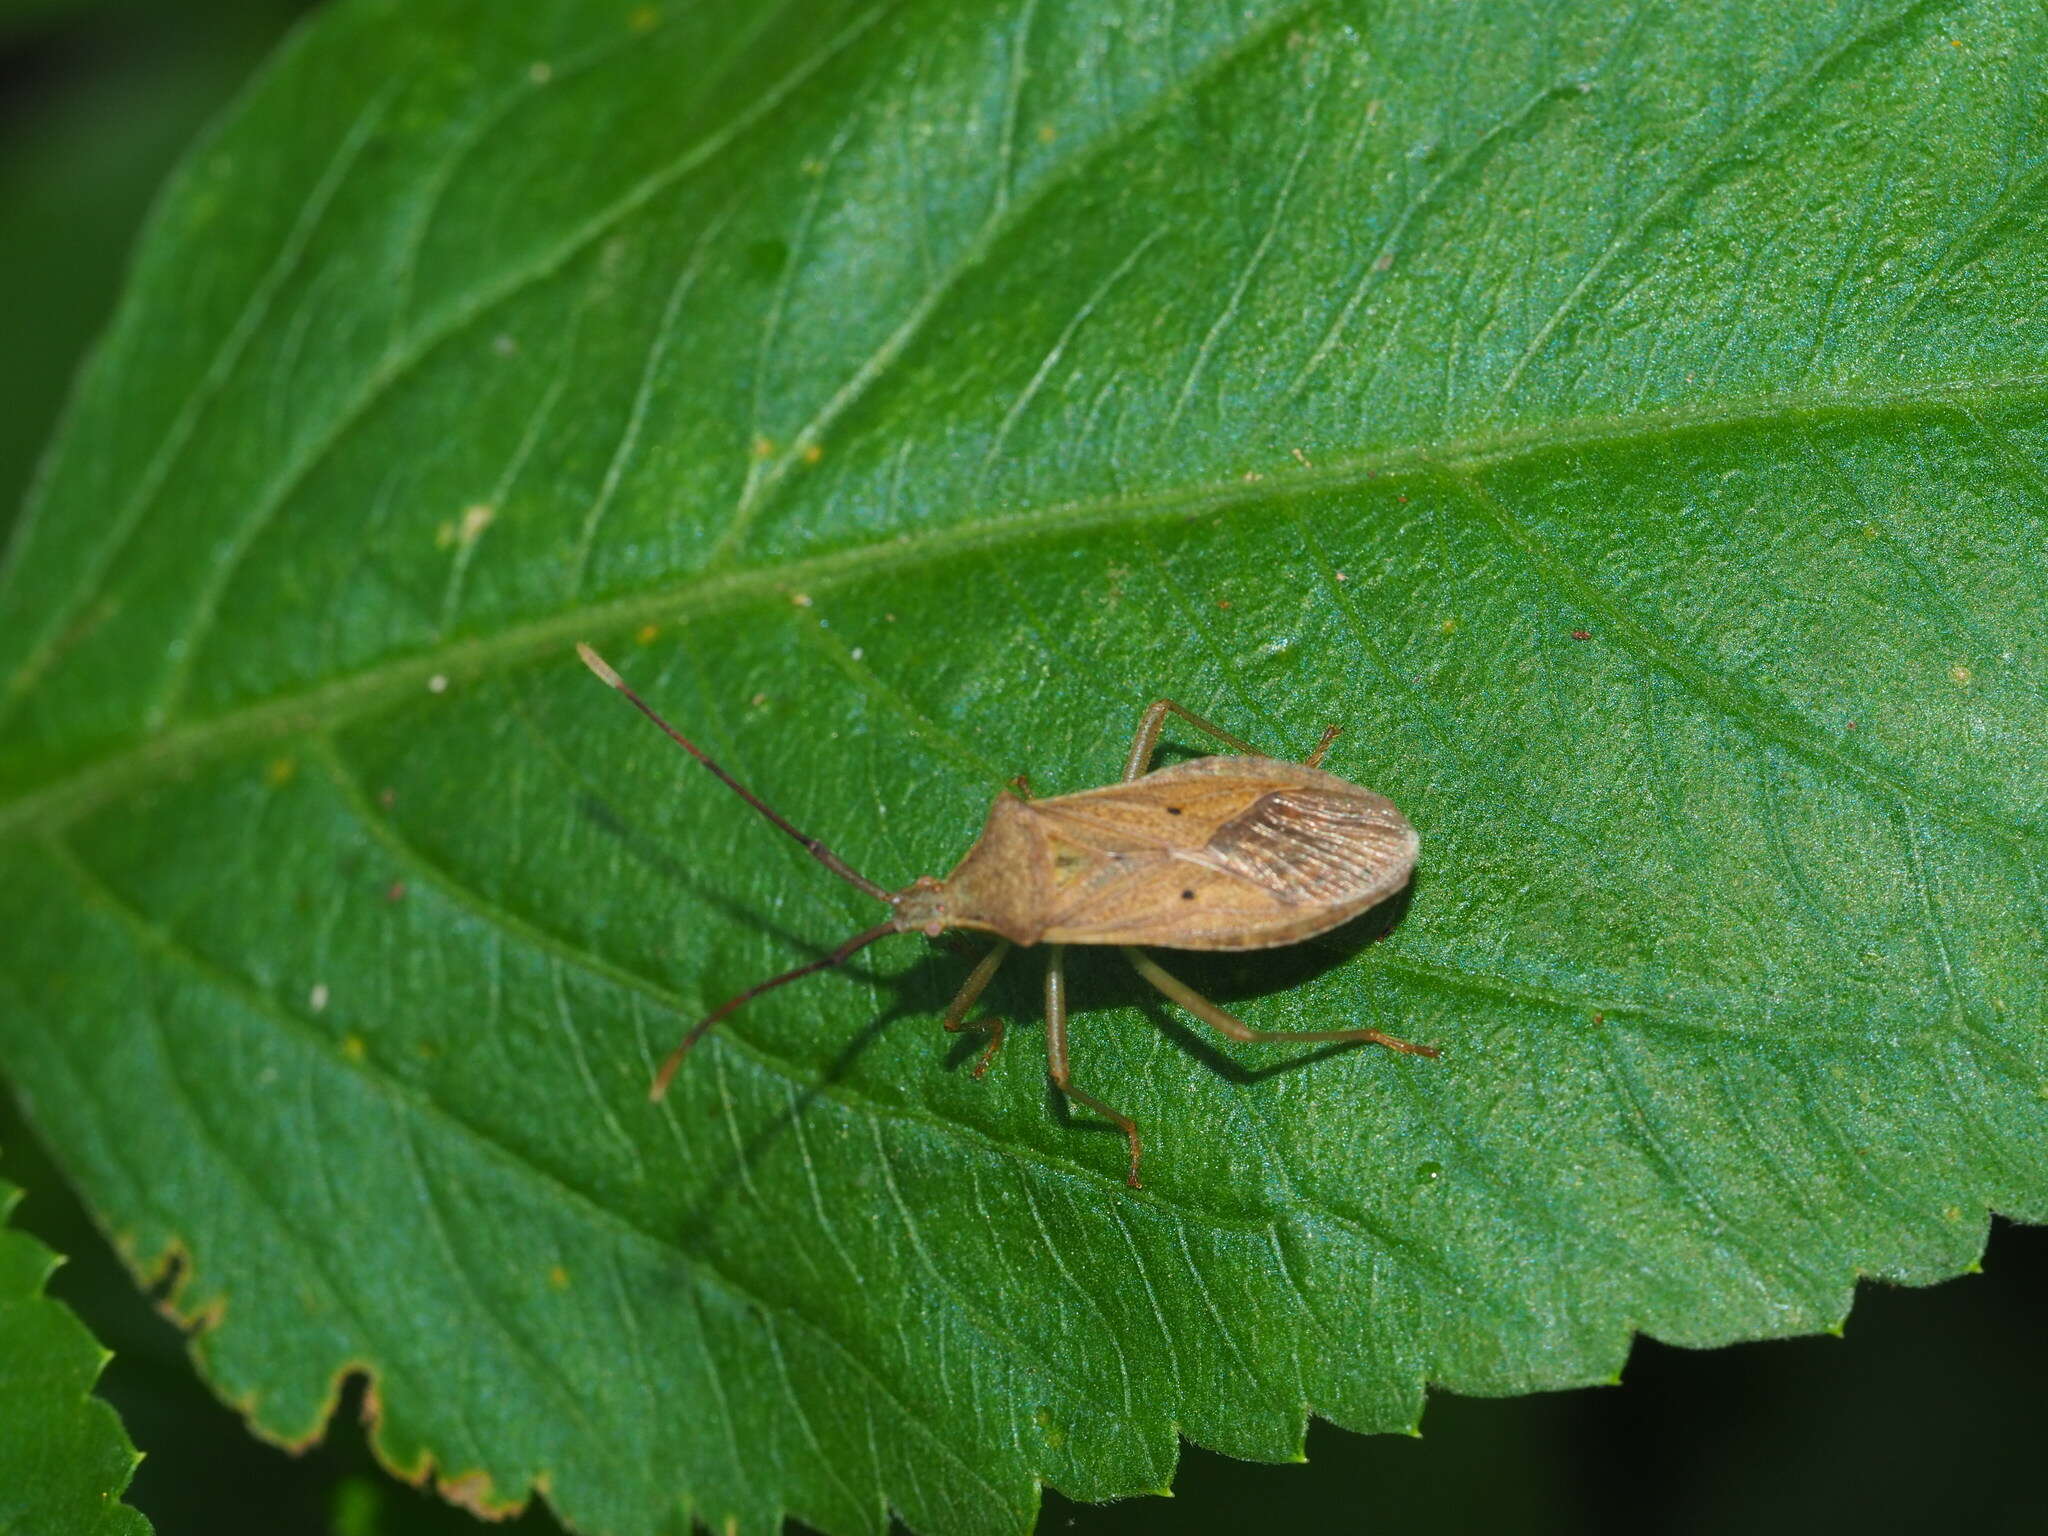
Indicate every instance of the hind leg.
{"type": "Point", "coordinates": [1230, 1024]}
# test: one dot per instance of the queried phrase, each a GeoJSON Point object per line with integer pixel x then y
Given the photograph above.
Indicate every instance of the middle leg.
{"type": "Point", "coordinates": [1153, 721]}
{"type": "Point", "coordinates": [1056, 1054]}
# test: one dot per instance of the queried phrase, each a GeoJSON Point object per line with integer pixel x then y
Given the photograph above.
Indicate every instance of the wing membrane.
{"type": "Point", "coordinates": [1310, 848]}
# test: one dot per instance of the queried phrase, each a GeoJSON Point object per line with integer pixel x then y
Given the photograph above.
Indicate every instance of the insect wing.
{"type": "Point", "coordinates": [1309, 847]}
{"type": "Point", "coordinates": [1226, 853]}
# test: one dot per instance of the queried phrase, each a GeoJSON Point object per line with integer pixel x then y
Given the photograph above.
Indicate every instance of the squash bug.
{"type": "Point", "coordinates": [1218, 853]}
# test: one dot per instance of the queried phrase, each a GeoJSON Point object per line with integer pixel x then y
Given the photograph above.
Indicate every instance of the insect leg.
{"type": "Point", "coordinates": [956, 1011]}
{"type": "Point", "coordinates": [1315, 758]}
{"type": "Point", "coordinates": [1154, 720]}
{"type": "Point", "coordinates": [1056, 1053]}
{"type": "Point", "coordinates": [1236, 1028]}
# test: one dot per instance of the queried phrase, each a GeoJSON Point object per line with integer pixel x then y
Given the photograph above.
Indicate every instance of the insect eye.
{"type": "Point", "coordinates": [1173, 810]}
{"type": "Point", "coordinates": [1187, 895]}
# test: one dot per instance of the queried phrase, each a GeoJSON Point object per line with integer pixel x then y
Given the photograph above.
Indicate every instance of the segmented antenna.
{"type": "Point", "coordinates": [811, 845]}
{"type": "Point", "coordinates": [815, 848]}
{"type": "Point", "coordinates": [838, 957]}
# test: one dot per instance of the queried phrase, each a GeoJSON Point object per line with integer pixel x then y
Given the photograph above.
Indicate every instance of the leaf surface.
{"type": "Point", "coordinates": [64, 1457]}
{"type": "Point", "coordinates": [1627, 425]}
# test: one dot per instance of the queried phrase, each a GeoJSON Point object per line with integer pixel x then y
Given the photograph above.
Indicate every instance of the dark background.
{"type": "Point", "coordinates": [1928, 1415]}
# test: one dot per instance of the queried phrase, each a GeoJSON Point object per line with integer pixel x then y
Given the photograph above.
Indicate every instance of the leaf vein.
{"type": "Point", "coordinates": [156, 472]}
{"type": "Point", "coordinates": [1793, 90]}
{"type": "Point", "coordinates": [150, 937]}
{"type": "Point", "coordinates": [460, 317]}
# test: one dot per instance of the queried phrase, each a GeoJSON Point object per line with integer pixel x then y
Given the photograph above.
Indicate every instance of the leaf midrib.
{"type": "Point", "coordinates": [335, 704]}
{"type": "Point", "coordinates": [149, 934]}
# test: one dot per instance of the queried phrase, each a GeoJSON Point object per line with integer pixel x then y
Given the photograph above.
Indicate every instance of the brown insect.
{"type": "Point", "coordinates": [1219, 853]}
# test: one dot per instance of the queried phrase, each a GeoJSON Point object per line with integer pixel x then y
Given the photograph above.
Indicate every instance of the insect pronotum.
{"type": "Point", "coordinates": [1218, 853]}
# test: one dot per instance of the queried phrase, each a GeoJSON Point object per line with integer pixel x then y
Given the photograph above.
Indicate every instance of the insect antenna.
{"type": "Point", "coordinates": [812, 845]}
{"type": "Point", "coordinates": [838, 957]}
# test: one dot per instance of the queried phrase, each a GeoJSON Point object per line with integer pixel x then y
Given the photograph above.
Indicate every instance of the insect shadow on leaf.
{"type": "Point", "coordinates": [1230, 852]}
{"type": "Point", "coordinates": [1248, 976]}
{"type": "Point", "coordinates": [643, 850]}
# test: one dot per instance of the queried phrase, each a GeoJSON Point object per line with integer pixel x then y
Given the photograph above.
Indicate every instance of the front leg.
{"type": "Point", "coordinates": [971, 989]}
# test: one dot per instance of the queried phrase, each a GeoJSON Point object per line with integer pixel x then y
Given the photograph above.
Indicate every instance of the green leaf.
{"type": "Point", "coordinates": [64, 1458]}
{"type": "Point", "coordinates": [79, 156]}
{"type": "Point", "coordinates": [1628, 426]}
